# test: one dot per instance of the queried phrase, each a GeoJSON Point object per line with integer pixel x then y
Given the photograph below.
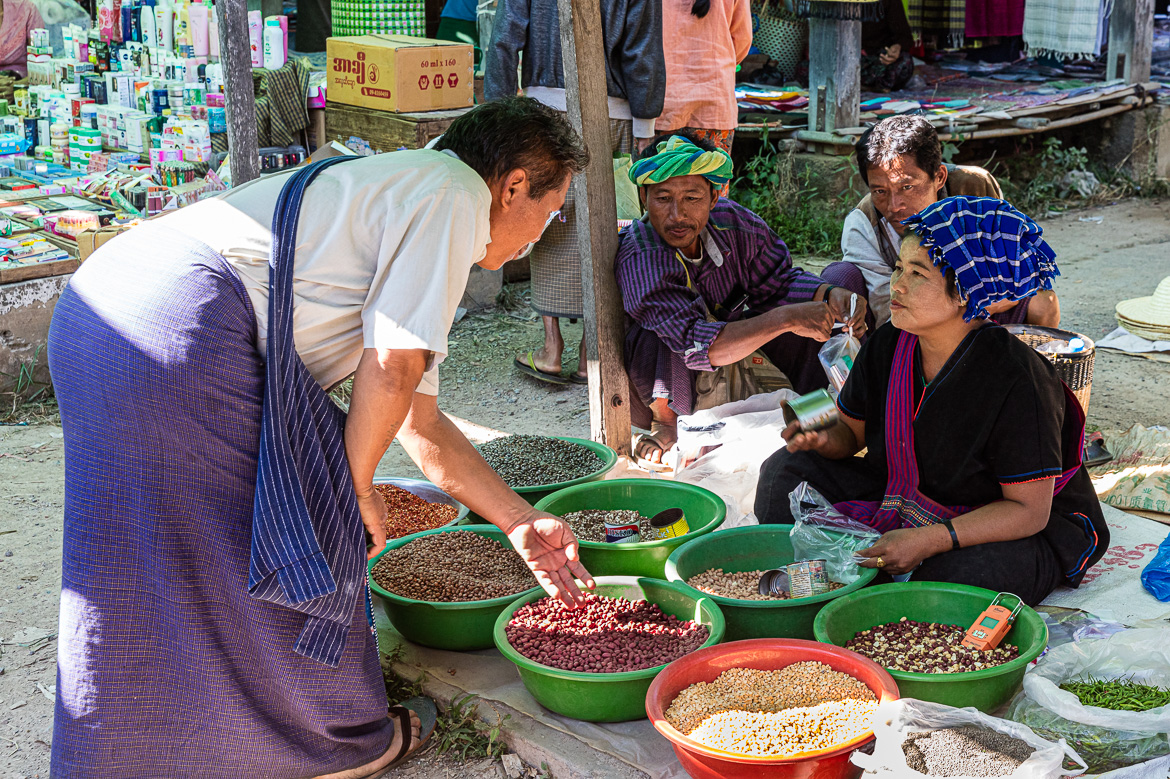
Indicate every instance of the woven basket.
{"type": "Point", "coordinates": [1075, 370]}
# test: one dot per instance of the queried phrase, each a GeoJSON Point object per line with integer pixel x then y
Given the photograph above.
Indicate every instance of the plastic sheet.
{"type": "Point", "coordinates": [895, 720]}
{"type": "Point", "coordinates": [1105, 739]}
{"type": "Point", "coordinates": [722, 449]}
{"type": "Point", "coordinates": [1156, 575]}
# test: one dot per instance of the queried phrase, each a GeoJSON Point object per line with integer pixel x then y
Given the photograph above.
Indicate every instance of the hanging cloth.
{"type": "Point", "coordinates": [944, 19]}
{"type": "Point", "coordinates": [308, 550]}
{"type": "Point", "coordinates": [990, 18]}
{"type": "Point", "coordinates": [1065, 29]}
{"type": "Point", "coordinates": [904, 505]}
{"type": "Point", "coordinates": [849, 10]}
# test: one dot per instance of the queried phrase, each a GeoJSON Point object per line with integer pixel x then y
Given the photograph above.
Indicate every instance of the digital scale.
{"type": "Point", "coordinates": [993, 624]}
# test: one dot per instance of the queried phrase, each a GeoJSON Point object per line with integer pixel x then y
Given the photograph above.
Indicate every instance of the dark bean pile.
{"type": "Point", "coordinates": [453, 567]}
{"type": "Point", "coordinates": [965, 751]}
{"type": "Point", "coordinates": [604, 635]}
{"type": "Point", "coordinates": [589, 525]}
{"type": "Point", "coordinates": [534, 460]}
{"type": "Point", "coordinates": [407, 513]}
{"type": "Point", "coordinates": [926, 647]}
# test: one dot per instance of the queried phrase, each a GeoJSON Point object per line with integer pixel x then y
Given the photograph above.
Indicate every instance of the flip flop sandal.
{"type": "Point", "coordinates": [1096, 453]}
{"type": "Point", "coordinates": [428, 715]}
{"type": "Point", "coordinates": [577, 378]}
{"type": "Point", "coordinates": [650, 465]}
{"type": "Point", "coordinates": [530, 369]}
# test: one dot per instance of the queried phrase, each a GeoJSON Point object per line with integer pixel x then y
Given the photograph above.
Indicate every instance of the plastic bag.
{"type": "Point", "coordinates": [1156, 575]}
{"type": "Point", "coordinates": [823, 533]}
{"type": "Point", "coordinates": [1159, 768]}
{"type": "Point", "coordinates": [838, 354]}
{"type": "Point", "coordinates": [722, 449]}
{"type": "Point", "coordinates": [895, 720]}
{"type": "Point", "coordinates": [1106, 739]}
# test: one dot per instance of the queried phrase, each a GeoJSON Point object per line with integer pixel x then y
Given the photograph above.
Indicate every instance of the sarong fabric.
{"type": "Point", "coordinates": [167, 667]}
{"type": "Point", "coordinates": [555, 260]}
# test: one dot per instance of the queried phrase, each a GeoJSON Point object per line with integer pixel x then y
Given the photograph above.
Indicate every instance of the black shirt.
{"type": "Point", "coordinates": [995, 414]}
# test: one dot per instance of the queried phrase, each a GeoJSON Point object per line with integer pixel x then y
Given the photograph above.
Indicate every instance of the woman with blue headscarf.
{"type": "Point", "coordinates": [973, 468]}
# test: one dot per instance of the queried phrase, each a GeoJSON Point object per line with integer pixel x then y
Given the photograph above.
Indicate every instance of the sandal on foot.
{"type": "Point", "coordinates": [428, 715]}
{"type": "Point", "coordinates": [577, 378]}
{"type": "Point", "coordinates": [529, 369]}
{"type": "Point", "coordinates": [652, 439]}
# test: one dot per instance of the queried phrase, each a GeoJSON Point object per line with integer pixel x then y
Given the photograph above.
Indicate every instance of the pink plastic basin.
{"type": "Point", "coordinates": [764, 654]}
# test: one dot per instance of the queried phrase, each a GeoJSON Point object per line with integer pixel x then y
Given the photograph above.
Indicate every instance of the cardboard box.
{"type": "Point", "coordinates": [90, 241]}
{"type": "Point", "coordinates": [400, 74]}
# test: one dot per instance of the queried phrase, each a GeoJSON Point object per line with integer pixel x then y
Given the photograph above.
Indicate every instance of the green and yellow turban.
{"type": "Point", "coordinates": [679, 157]}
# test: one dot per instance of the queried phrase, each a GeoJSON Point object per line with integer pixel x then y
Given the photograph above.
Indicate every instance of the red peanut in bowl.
{"type": "Point", "coordinates": [765, 654]}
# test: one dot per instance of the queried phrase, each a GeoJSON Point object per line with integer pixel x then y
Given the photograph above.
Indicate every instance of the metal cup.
{"type": "Point", "coordinates": [812, 412]}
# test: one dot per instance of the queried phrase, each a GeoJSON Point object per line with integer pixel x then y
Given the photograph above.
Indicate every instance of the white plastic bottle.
{"type": "Point", "coordinates": [146, 26]}
{"type": "Point", "coordinates": [164, 21]}
{"type": "Point", "coordinates": [274, 55]}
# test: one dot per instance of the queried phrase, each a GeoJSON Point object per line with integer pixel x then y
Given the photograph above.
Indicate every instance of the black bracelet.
{"type": "Point", "coordinates": [828, 291]}
{"type": "Point", "coordinates": [954, 536]}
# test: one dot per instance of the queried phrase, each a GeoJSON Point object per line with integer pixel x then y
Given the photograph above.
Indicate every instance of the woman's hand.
{"type": "Point", "coordinates": [549, 548]}
{"type": "Point", "coordinates": [891, 54]}
{"type": "Point", "coordinates": [373, 510]}
{"type": "Point", "coordinates": [800, 441]}
{"type": "Point", "coordinates": [900, 551]}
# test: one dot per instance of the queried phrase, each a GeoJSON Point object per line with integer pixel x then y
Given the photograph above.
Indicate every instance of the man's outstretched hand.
{"type": "Point", "coordinates": [550, 549]}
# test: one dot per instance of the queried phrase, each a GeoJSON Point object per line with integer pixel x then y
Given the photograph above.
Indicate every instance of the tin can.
{"type": "Point", "coordinates": [669, 524]}
{"type": "Point", "coordinates": [622, 533]}
{"type": "Point", "coordinates": [807, 577]}
{"type": "Point", "coordinates": [774, 582]}
{"type": "Point", "coordinates": [812, 412]}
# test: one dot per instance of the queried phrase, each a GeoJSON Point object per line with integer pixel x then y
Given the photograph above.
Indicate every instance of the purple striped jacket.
{"type": "Point", "coordinates": [653, 279]}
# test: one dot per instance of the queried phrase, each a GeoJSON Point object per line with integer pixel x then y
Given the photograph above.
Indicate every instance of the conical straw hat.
{"type": "Point", "coordinates": [1153, 310]}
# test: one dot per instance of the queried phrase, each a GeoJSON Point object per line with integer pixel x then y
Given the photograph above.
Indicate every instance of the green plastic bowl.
{"type": "Point", "coordinates": [456, 626]}
{"type": "Point", "coordinates": [616, 697]}
{"type": "Point", "coordinates": [749, 549]}
{"type": "Point", "coordinates": [703, 509]}
{"type": "Point", "coordinates": [952, 604]}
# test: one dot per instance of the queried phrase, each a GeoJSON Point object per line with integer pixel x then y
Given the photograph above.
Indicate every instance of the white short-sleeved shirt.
{"type": "Point", "coordinates": [384, 248]}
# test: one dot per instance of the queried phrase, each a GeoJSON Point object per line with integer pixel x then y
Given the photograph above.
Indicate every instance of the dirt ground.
{"type": "Point", "coordinates": [1123, 255]}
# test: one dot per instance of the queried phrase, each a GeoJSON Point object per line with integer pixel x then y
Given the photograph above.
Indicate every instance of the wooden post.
{"type": "Point", "coordinates": [1131, 40]}
{"type": "Point", "coordinates": [236, 57]}
{"type": "Point", "coordinates": [834, 76]}
{"type": "Point", "coordinates": [587, 101]}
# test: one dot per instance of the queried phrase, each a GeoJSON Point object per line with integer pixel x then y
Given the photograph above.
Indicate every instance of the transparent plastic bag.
{"type": "Point", "coordinates": [837, 356]}
{"type": "Point", "coordinates": [1106, 739]}
{"type": "Point", "coordinates": [896, 720]}
{"type": "Point", "coordinates": [823, 533]}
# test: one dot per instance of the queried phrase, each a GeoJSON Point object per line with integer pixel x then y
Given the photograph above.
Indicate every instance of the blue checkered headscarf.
{"type": "Point", "coordinates": [996, 252]}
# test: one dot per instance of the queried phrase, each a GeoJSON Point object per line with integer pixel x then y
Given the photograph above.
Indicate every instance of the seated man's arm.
{"type": "Point", "coordinates": [656, 296]}
{"type": "Point", "coordinates": [859, 245]}
{"type": "Point", "coordinates": [739, 339]}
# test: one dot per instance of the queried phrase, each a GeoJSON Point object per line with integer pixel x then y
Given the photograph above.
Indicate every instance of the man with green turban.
{"type": "Point", "coordinates": [707, 284]}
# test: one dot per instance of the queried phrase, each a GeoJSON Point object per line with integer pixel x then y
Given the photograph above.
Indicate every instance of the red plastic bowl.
{"type": "Point", "coordinates": [764, 654]}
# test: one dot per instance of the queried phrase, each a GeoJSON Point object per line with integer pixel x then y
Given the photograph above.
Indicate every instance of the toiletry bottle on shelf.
{"type": "Point", "coordinates": [273, 44]}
